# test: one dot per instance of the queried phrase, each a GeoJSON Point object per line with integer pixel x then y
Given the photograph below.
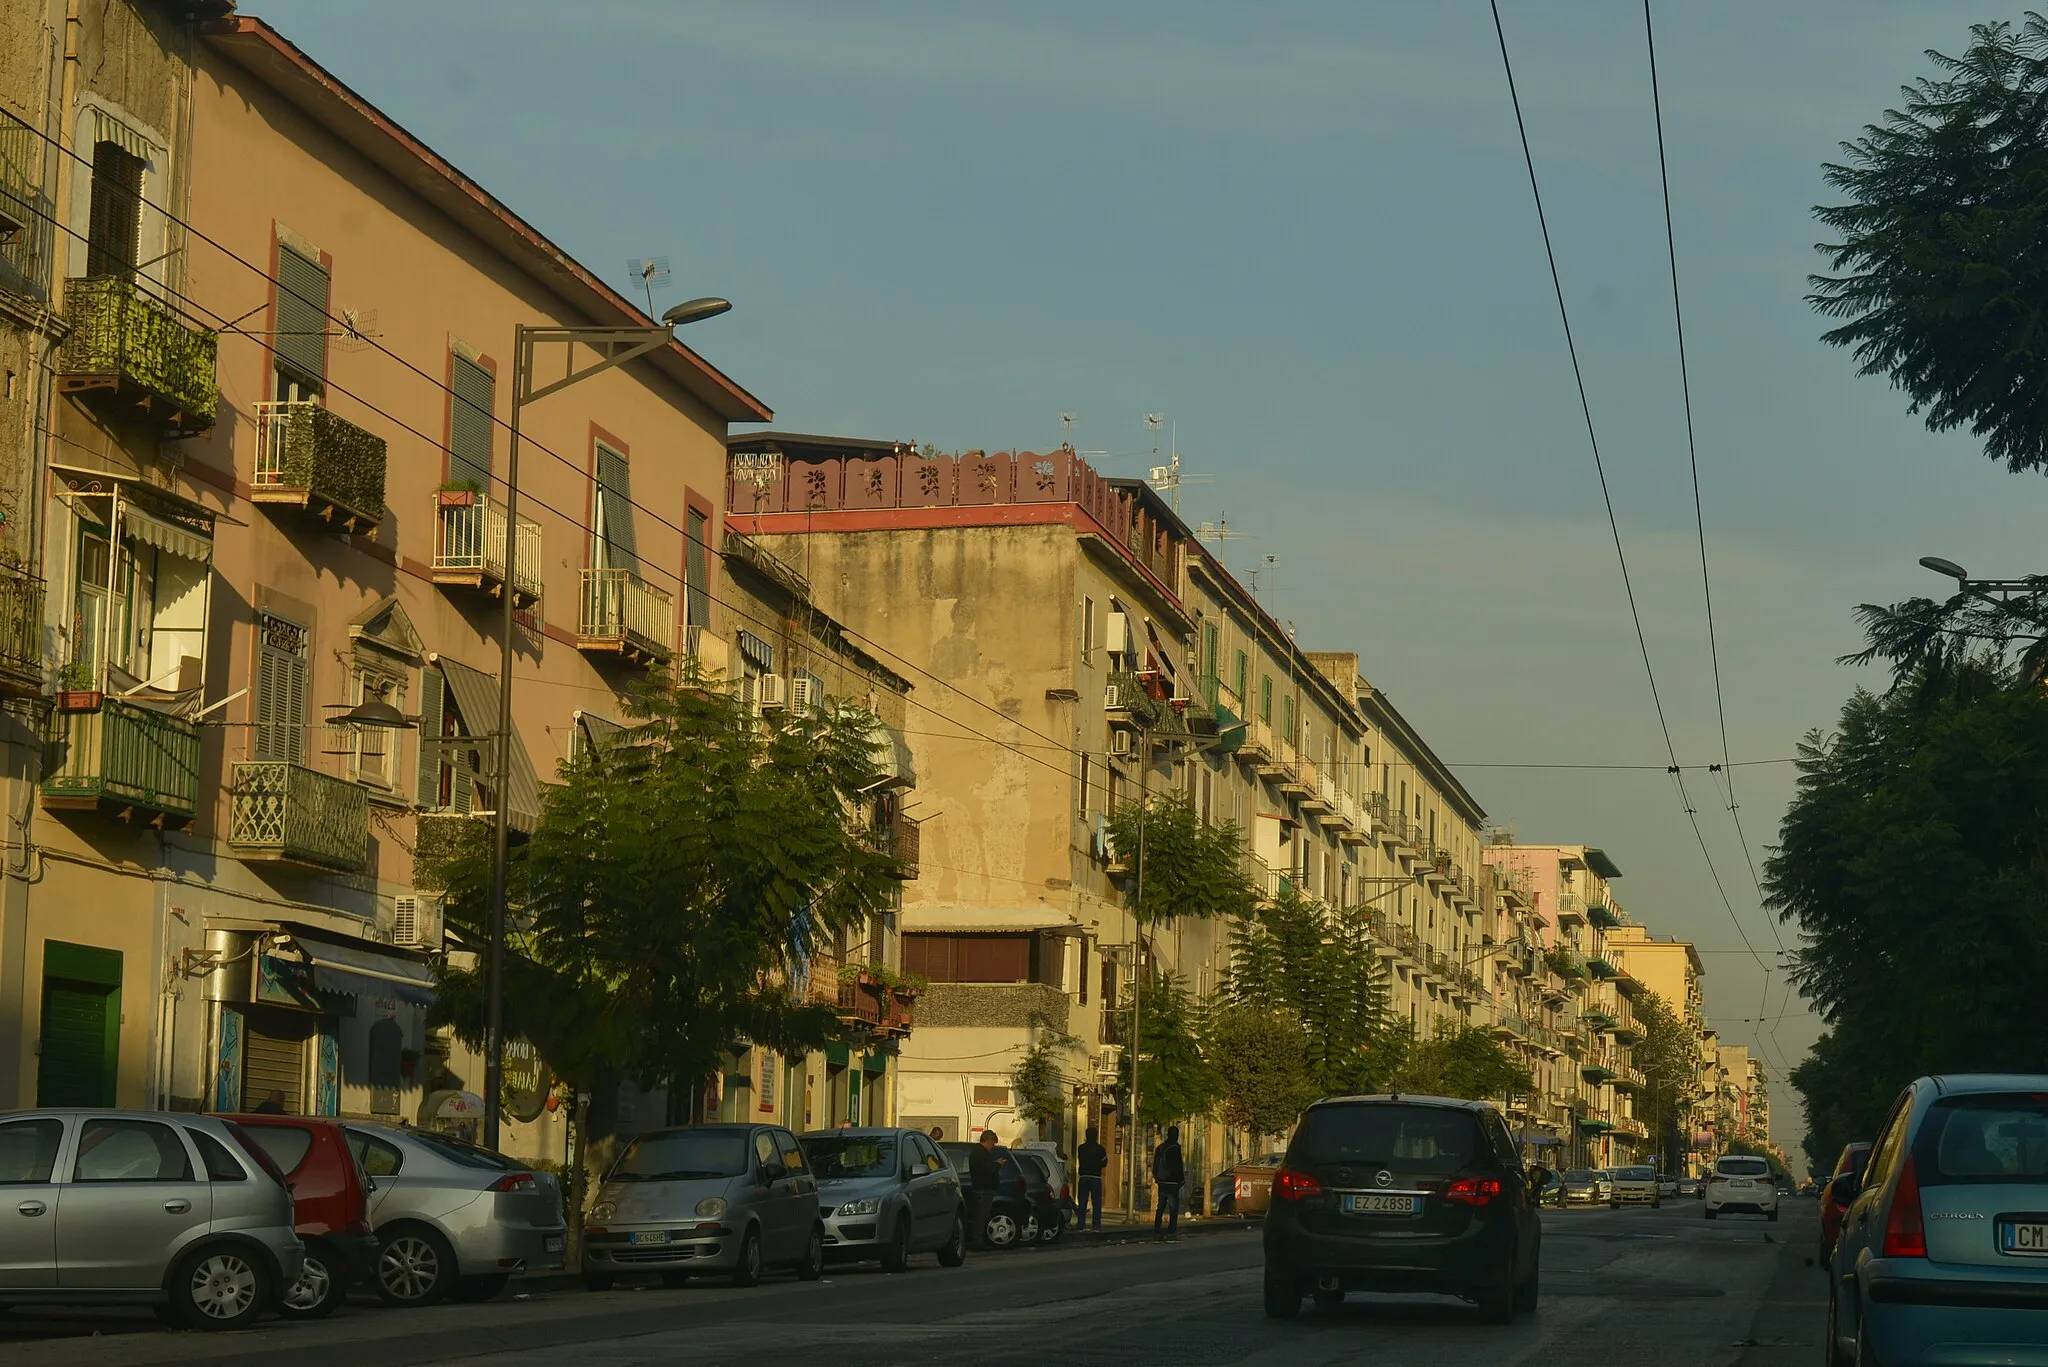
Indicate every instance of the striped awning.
{"type": "Point", "coordinates": [168, 537]}
{"type": "Point", "coordinates": [476, 701]}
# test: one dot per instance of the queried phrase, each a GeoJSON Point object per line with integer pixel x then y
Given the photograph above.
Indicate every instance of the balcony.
{"type": "Point", "coordinates": [133, 359]}
{"type": "Point", "coordinates": [1002, 1006]}
{"type": "Point", "coordinates": [125, 759]}
{"type": "Point", "coordinates": [295, 815]}
{"type": "Point", "coordinates": [27, 217]}
{"type": "Point", "coordinates": [1602, 916]}
{"type": "Point", "coordinates": [1257, 745]}
{"type": "Point", "coordinates": [1571, 909]}
{"type": "Point", "coordinates": [898, 836]}
{"type": "Point", "coordinates": [470, 551]}
{"type": "Point", "coordinates": [310, 459]}
{"type": "Point", "coordinates": [21, 633]}
{"type": "Point", "coordinates": [625, 619]}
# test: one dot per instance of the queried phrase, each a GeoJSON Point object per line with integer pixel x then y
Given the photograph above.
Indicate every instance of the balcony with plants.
{"type": "Point", "coordinates": [122, 758]}
{"type": "Point", "coordinates": [309, 458]}
{"type": "Point", "coordinates": [135, 360]}
{"type": "Point", "coordinates": [295, 815]}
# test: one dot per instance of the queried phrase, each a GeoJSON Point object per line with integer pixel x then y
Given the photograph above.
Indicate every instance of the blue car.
{"type": "Point", "coordinates": [1943, 1252]}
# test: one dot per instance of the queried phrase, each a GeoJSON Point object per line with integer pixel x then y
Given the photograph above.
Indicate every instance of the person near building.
{"type": "Point", "coordinates": [1168, 1172]}
{"type": "Point", "coordinates": [938, 1133]}
{"type": "Point", "coordinates": [1092, 1158]}
{"type": "Point", "coordinates": [984, 1171]}
{"type": "Point", "coordinates": [272, 1104]}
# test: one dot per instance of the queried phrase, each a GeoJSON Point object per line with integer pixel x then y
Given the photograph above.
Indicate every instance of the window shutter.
{"type": "Point", "coordinates": [114, 231]}
{"type": "Point", "coordinates": [300, 343]}
{"type": "Point", "coordinates": [430, 731]}
{"type": "Point", "coordinates": [280, 691]}
{"type": "Point", "coordinates": [615, 515]}
{"type": "Point", "coordinates": [469, 427]}
{"type": "Point", "coordinates": [697, 593]}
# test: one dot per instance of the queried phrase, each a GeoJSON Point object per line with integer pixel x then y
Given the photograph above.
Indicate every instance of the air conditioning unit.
{"type": "Point", "coordinates": [1117, 633]}
{"type": "Point", "coordinates": [1109, 1061]}
{"type": "Point", "coordinates": [805, 694]}
{"type": "Point", "coordinates": [771, 692]}
{"type": "Point", "coordinates": [416, 922]}
{"type": "Point", "coordinates": [1120, 742]}
{"type": "Point", "coordinates": [1115, 698]}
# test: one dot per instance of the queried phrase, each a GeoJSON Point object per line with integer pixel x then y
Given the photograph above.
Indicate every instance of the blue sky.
{"type": "Point", "coordinates": [1302, 232]}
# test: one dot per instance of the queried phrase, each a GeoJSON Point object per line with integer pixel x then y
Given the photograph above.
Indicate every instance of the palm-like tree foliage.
{"type": "Point", "coordinates": [1298, 957]}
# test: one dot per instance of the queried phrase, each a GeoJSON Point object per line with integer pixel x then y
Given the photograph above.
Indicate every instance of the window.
{"type": "Point", "coordinates": [696, 592]}
{"type": "Point", "coordinates": [990, 958]}
{"type": "Point", "coordinates": [1287, 719]}
{"type": "Point", "coordinates": [130, 1151]}
{"type": "Point", "coordinates": [1087, 631]}
{"type": "Point", "coordinates": [764, 1148]}
{"type": "Point", "coordinates": [1086, 765]}
{"type": "Point", "coordinates": [612, 543]}
{"type": "Point", "coordinates": [1242, 674]}
{"type": "Point", "coordinates": [1266, 698]}
{"type": "Point", "coordinates": [1996, 1137]}
{"type": "Point", "coordinates": [1212, 649]}
{"type": "Point", "coordinates": [792, 1152]}
{"type": "Point", "coordinates": [299, 340]}
{"type": "Point", "coordinates": [114, 231]}
{"type": "Point", "coordinates": [28, 1150]}
{"type": "Point", "coordinates": [374, 749]}
{"type": "Point", "coordinates": [469, 425]}
{"type": "Point", "coordinates": [139, 599]}
{"type": "Point", "coordinates": [287, 1145]}
{"type": "Point", "coordinates": [282, 651]}
{"type": "Point", "coordinates": [221, 1166]}
{"type": "Point", "coordinates": [379, 1158]}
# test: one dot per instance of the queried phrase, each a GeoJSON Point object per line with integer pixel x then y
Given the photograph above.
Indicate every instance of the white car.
{"type": "Point", "coordinates": [1740, 1182]}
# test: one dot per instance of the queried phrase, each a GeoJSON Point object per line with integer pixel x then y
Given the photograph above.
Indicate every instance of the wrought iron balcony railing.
{"type": "Point", "coordinates": [298, 815]}
{"type": "Point", "coordinates": [470, 551]}
{"type": "Point", "coordinates": [21, 633]}
{"type": "Point", "coordinates": [624, 617]}
{"type": "Point", "coordinates": [123, 758]}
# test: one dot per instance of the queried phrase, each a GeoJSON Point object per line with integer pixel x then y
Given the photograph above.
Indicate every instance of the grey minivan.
{"type": "Point", "coordinates": [886, 1194]}
{"type": "Point", "coordinates": [182, 1212]}
{"type": "Point", "coordinates": [733, 1199]}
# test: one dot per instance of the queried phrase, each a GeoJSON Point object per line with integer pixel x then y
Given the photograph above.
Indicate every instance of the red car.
{"type": "Point", "coordinates": [1853, 1157]}
{"type": "Point", "coordinates": [331, 1198]}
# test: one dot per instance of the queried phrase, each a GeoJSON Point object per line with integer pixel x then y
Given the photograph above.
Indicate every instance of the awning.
{"type": "Point", "coordinates": [893, 765]}
{"type": "Point", "coordinates": [476, 699]}
{"type": "Point", "coordinates": [367, 972]}
{"type": "Point", "coordinates": [168, 537]}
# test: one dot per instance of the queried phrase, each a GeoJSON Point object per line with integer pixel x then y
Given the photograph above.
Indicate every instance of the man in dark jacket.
{"type": "Point", "coordinates": [984, 1171]}
{"type": "Point", "coordinates": [1092, 1157]}
{"type": "Point", "coordinates": [1168, 1172]}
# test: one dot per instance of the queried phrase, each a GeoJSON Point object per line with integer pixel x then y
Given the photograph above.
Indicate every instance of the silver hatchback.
{"type": "Point", "coordinates": [886, 1194]}
{"type": "Point", "coordinates": [136, 1207]}
{"type": "Point", "coordinates": [732, 1199]}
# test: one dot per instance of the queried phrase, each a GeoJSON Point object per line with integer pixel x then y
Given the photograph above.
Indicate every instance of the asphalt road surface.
{"type": "Point", "coordinates": [1659, 1288]}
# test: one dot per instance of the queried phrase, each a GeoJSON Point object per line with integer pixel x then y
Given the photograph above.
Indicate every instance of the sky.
{"type": "Point", "coordinates": [1303, 233]}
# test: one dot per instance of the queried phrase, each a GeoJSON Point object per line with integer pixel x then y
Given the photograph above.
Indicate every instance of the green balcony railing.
{"type": "Point", "coordinates": [301, 816]}
{"type": "Point", "coordinates": [125, 344]}
{"type": "Point", "coordinates": [309, 457]}
{"type": "Point", "coordinates": [123, 756]}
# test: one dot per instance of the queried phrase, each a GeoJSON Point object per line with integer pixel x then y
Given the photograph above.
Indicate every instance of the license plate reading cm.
{"type": "Point", "coordinates": [1374, 1204]}
{"type": "Point", "coordinates": [2027, 1240]}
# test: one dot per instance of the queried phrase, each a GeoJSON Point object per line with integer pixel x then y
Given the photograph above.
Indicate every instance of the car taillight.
{"type": "Point", "coordinates": [1905, 1231]}
{"type": "Point", "coordinates": [513, 1181]}
{"type": "Point", "coordinates": [1472, 1191]}
{"type": "Point", "coordinates": [1290, 1184]}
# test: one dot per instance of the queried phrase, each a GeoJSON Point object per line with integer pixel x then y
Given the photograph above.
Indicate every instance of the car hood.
{"type": "Point", "coordinates": [836, 1190]}
{"type": "Point", "coordinates": [675, 1200]}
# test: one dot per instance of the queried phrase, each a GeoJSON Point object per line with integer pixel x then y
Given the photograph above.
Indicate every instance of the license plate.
{"type": "Point", "coordinates": [1374, 1204]}
{"type": "Point", "coordinates": [649, 1236]}
{"type": "Point", "coordinates": [551, 1243]}
{"type": "Point", "coordinates": [2024, 1239]}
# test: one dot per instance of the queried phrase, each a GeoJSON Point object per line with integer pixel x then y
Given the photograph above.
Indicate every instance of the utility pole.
{"type": "Point", "coordinates": [1138, 972]}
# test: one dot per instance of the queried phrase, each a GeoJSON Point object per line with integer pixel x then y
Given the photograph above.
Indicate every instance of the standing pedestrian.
{"type": "Point", "coordinates": [984, 1171]}
{"type": "Point", "coordinates": [273, 1104]}
{"type": "Point", "coordinates": [1093, 1158]}
{"type": "Point", "coordinates": [1168, 1172]}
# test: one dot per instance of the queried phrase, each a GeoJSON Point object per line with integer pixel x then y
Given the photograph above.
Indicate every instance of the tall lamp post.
{"type": "Point", "coordinates": [614, 347]}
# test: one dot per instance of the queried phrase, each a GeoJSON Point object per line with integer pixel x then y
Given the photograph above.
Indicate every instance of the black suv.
{"type": "Point", "coordinates": [1403, 1193]}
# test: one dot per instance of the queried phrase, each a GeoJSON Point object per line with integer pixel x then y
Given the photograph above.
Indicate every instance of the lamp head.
{"type": "Point", "coordinates": [1947, 567]}
{"type": "Point", "coordinates": [375, 712]}
{"type": "Point", "coordinates": [695, 311]}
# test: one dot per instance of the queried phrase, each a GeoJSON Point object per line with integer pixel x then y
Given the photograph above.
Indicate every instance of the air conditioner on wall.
{"type": "Point", "coordinates": [1109, 1060]}
{"type": "Point", "coordinates": [1117, 633]}
{"type": "Point", "coordinates": [771, 692]}
{"type": "Point", "coordinates": [416, 922]}
{"type": "Point", "coordinates": [1120, 742]}
{"type": "Point", "coordinates": [803, 693]}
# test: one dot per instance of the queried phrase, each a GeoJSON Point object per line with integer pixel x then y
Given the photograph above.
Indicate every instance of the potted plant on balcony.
{"type": "Point", "coordinates": [459, 493]}
{"type": "Point", "coordinates": [75, 691]}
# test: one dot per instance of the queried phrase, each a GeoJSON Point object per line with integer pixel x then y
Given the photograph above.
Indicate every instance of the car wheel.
{"type": "Point", "coordinates": [220, 1288]}
{"type": "Point", "coordinates": [1497, 1303]}
{"type": "Point", "coordinates": [474, 1289]}
{"type": "Point", "coordinates": [955, 1251]}
{"type": "Point", "coordinates": [1283, 1294]}
{"type": "Point", "coordinates": [746, 1269]}
{"type": "Point", "coordinates": [1001, 1231]}
{"type": "Point", "coordinates": [1327, 1298]}
{"type": "Point", "coordinates": [1614, 1205]}
{"type": "Point", "coordinates": [1526, 1293]}
{"type": "Point", "coordinates": [1711, 1212]}
{"type": "Point", "coordinates": [1835, 1356]}
{"type": "Point", "coordinates": [1772, 1215]}
{"type": "Point", "coordinates": [1657, 1205]}
{"type": "Point", "coordinates": [675, 1279]}
{"type": "Point", "coordinates": [1029, 1234]}
{"type": "Point", "coordinates": [813, 1265]}
{"type": "Point", "coordinates": [896, 1255]}
{"type": "Point", "coordinates": [321, 1286]}
{"type": "Point", "coordinates": [415, 1266]}
{"type": "Point", "coordinates": [599, 1281]}
{"type": "Point", "coordinates": [1050, 1231]}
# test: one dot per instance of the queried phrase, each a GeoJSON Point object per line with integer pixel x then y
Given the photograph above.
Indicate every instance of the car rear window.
{"type": "Point", "coordinates": [255, 1151]}
{"type": "Point", "coordinates": [1743, 1167]}
{"type": "Point", "coordinates": [681, 1155]}
{"type": "Point", "coordinates": [1636, 1174]}
{"type": "Point", "coordinates": [1981, 1139]}
{"type": "Point", "coordinates": [287, 1145]}
{"type": "Point", "coordinates": [467, 1155]}
{"type": "Point", "coordinates": [1430, 1139]}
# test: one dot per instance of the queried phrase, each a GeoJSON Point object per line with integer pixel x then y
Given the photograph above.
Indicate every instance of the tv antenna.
{"type": "Point", "coordinates": [358, 330]}
{"type": "Point", "coordinates": [1219, 532]}
{"type": "Point", "coordinates": [1067, 430]}
{"type": "Point", "coordinates": [651, 272]}
{"type": "Point", "coordinates": [1267, 566]}
{"type": "Point", "coordinates": [1168, 478]}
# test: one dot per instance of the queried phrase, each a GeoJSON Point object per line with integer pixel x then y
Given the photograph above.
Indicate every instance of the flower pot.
{"type": "Point", "coordinates": [457, 498]}
{"type": "Point", "coordinates": [79, 700]}
{"type": "Point", "coordinates": [906, 995]}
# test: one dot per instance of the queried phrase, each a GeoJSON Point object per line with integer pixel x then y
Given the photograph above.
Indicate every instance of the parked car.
{"type": "Point", "coordinates": [331, 1201]}
{"type": "Point", "coordinates": [1634, 1187]}
{"type": "Point", "coordinates": [1691, 1188]}
{"type": "Point", "coordinates": [453, 1219]}
{"type": "Point", "coordinates": [1550, 1189]}
{"type": "Point", "coordinates": [1943, 1251]}
{"type": "Point", "coordinates": [183, 1212]}
{"type": "Point", "coordinates": [735, 1199]}
{"type": "Point", "coordinates": [1246, 1189]}
{"type": "Point", "coordinates": [1400, 1194]}
{"type": "Point", "coordinates": [1013, 1215]}
{"type": "Point", "coordinates": [1849, 1162]}
{"type": "Point", "coordinates": [1586, 1186]}
{"type": "Point", "coordinates": [1048, 1209]}
{"type": "Point", "coordinates": [1062, 1180]}
{"type": "Point", "coordinates": [886, 1194]}
{"type": "Point", "coordinates": [1740, 1182]}
{"type": "Point", "coordinates": [1667, 1185]}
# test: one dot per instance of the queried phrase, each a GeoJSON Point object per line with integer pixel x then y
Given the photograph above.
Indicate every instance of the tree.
{"type": "Point", "coordinates": [674, 884]}
{"type": "Point", "coordinates": [1038, 1078]}
{"type": "Point", "coordinates": [1463, 1061]}
{"type": "Point", "coordinates": [1177, 864]}
{"type": "Point", "coordinates": [1260, 1062]}
{"type": "Point", "coordinates": [1175, 1080]}
{"type": "Point", "coordinates": [1668, 1056]}
{"type": "Point", "coordinates": [1940, 273]}
{"type": "Point", "coordinates": [1296, 957]}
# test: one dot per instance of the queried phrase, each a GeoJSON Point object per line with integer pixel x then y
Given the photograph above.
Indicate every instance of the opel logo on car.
{"type": "Point", "coordinates": [1384, 1178]}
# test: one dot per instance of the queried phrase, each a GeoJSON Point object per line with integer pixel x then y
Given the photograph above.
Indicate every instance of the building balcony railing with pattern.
{"type": "Point", "coordinates": [27, 217]}
{"type": "Point", "coordinates": [309, 458]}
{"type": "Point", "coordinates": [21, 633]}
{"type": "Point", "coordinates": [818, 984]}
{"type": "Point", "coordinates": [135, 360]}
{"type": "Point", "coordinates": [126, 759]}
{"type": "Point", "coordinates": [469, 552]}
{"type": "Point", "coordinates": [295, 815]}
{"type": "Point", "coordinates": [1571, 909]}
{"type": "Point", "coordinates": [625, 619]}
{"type": "Point", "coordinates": [899, 836]}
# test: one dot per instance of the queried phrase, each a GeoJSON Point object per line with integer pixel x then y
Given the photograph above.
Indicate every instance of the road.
{"type": "Point", "coordinates": [1655, 1288]}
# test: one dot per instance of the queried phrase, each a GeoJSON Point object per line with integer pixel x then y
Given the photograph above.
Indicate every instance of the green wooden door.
{"type": "Point", "coordinates": [77, 1066]}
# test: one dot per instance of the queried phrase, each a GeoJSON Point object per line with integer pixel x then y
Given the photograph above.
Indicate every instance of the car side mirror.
{"type": "Point", "coordinates": [1843, 1189]}
{"type": "Point", "coordinates": [369, 1184]}
{"type": "Point", "coordinates": [773, 1172]}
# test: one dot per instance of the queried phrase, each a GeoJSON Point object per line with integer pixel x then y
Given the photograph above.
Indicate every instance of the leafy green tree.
{"type": "Point", "coordinates": [1260, 1060]}
{"type": "Point", "coordinates": [1668, 1055]}
{"type": "Point", "coordinates": [1177, 865]}
{"type": "Point", "coordinates": [1039, 1078]}
{"type": "Point", "coordinates": [1297, 957]}
{"type": "Point", "coordinates": [1175, 1079]}
{"type": "Point", "coordinates": [1464, 1061]}
{"type": "Point", "coordinates": [1939, 273]}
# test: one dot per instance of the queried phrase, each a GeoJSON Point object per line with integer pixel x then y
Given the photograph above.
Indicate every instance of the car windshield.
{"type": "Point", "coordinates": [1743, 1167]}
{"type": "Point", "coordinates": [1430, 1139]}
{"type": "Point", "coordinates": [1977, 1139]}
{"type": "Point", "coordinates": [851, 1155]}
{"type": "Point", "coordinates": [679, 1155]}
{"type": "Point", "coordinates": [1636, 1174]}
{"type": "Point", "coordinates": [1578, 1175]}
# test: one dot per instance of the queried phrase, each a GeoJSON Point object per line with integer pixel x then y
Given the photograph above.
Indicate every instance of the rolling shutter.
{"type": "Point", "coordinates": [697, 593]}
{"type": "Point", "coordinates": [114, 230]}
{"type": "Point", "coordinates": [274, 1057]}
{"type": "Point", "coordinates": [469, 424]}
{"type": "Point", "coordinates": [616, 546]}
{"type": "Point", "coordinates": [300, 343]}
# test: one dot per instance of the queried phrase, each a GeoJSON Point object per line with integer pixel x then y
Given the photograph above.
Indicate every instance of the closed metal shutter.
{"type": "Point", "coordinates": [300, 344]}
{"type": "Point", "coordinates": [469, 425]}
{"type": "Point", "coordinates": [74, 1069]}
{"type": "Point", "coordinates": [616, 544]}
{"type": "Point", "coordinates": [274, 1057]}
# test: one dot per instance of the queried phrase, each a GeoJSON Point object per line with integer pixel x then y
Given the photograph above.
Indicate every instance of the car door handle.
{"type": "Point", "coordinates": [177, 1205]}
{"type": "Point", "coordinates": [31, 1208]}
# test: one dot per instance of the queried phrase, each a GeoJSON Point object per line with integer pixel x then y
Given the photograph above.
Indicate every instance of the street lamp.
{"type": "Point", "coordinates": [1947, 567]}
{"type": "Point", "coordinates": [614, 347]}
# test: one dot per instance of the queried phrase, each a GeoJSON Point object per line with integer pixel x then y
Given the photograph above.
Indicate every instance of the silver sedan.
{"type": "Point", "coordinates": [452, 1219]}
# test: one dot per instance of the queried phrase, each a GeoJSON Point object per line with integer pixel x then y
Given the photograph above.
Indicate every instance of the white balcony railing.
{"type": "Point", "coordinates": [472, 543]}
{"type": "Point", "coordinates": [621, 612]}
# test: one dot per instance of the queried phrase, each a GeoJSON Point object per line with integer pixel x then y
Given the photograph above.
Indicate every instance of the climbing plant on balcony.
{"type": "Point", "coordinates": [1177, 865]}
